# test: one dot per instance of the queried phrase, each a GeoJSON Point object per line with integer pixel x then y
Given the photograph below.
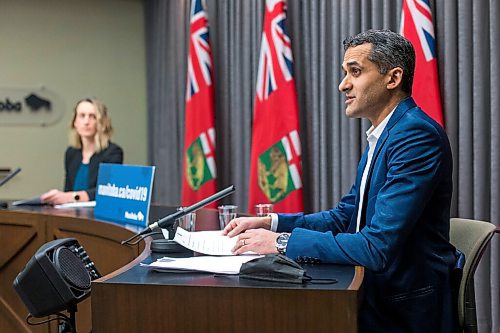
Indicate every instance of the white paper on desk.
{"type": "Point", "coordinates": [81, 204]}
{"type": "Point", "coordinates": [206, 242]}
{"type": "Point", "coordinates": [219, 265]}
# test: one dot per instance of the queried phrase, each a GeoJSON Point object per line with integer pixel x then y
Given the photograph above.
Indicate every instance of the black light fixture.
{"type": "Point", "coordinates": [55, 279]}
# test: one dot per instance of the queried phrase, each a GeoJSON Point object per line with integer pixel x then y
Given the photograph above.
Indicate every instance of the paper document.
{"type": "Point", "coordinates": [219, 265]}
{"type": "Point", "coordinates": [81, 204]}
{"type": "Point", "coordinates": [206, 242]}
{"type": "Point", "coordinates": [35, 201]}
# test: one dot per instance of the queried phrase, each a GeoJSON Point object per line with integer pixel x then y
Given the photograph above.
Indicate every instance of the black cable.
{"type": "Point", "coordinates": [58, 316]}
{"type": "Point", "coordinates": [130, 242]}
{"type": "Point", "coordinates": [320, 280]}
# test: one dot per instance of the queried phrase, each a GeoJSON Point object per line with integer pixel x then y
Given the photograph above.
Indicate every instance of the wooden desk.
{"type": "Point", "coordinates": [135, 299]}
{"type": "Point", "coordinates": [24, 230]}
{"type": "Point", "coordinates": [132, 299]}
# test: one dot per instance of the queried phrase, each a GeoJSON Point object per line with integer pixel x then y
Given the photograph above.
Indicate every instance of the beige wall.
{"type": "Point", "coordinates": [76, 49]}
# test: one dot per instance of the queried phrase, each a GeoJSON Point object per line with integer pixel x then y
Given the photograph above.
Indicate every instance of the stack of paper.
{"type": "Point", "coordinates": [220, 259]}
{"type": "Point", "coordinates": [79, 204]}
{"type": "Point", "coordinates": [219, 265]}
{"type": "Point", "coordinates": [206, 242]}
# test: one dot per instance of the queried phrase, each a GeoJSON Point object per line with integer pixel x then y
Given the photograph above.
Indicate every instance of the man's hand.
{"type": "Point", "coordinates": [256, 240]}
{"type": "Point", "coordinates": [241, 224]}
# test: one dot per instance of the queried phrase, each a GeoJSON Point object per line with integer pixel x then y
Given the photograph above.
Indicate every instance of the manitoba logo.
{"type": "Point", "coordinates": [200, 163]}
{"type": "Point", "coordinates": [278, 173]}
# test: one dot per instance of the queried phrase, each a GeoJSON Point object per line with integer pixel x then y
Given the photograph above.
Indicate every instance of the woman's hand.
{"type": "Point", "coordinates": [56, 197]}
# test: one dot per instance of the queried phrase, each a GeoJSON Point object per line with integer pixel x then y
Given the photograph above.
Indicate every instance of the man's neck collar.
{"type": "Point", "coordinates": [391, 106]}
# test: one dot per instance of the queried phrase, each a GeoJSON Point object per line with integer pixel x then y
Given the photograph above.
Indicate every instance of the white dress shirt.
{"type": "Point", "coordinates": [372, 136]}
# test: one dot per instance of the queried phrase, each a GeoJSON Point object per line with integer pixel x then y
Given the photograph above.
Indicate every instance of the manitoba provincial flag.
{"type": "Point", "coordinates": [275, 170]}
{"type": "Point", "coordinates": [417, 27]}
{"type": "Point", "coordinates": [199, 180]}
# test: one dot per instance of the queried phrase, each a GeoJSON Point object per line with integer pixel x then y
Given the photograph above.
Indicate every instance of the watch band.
{"type": "Point", "coordinates": [282, 242]}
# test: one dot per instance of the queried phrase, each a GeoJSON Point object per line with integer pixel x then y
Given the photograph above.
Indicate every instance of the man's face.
{"type": "Point", "coordinates": [365, 88]}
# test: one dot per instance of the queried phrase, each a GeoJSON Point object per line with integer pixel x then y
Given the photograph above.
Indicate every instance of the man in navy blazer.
{"type": "Point", "coordinates": [395, 219]}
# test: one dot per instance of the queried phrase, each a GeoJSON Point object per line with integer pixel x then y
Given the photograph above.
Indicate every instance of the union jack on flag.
{"type": "Point", "coordinates": [421, 16]}
{"type": "Point", "coordinates": [200, 55]}
{"type": "Point", "coordinates": [275, 51]}
{"type": "Point", "coordinates": [417, 27]}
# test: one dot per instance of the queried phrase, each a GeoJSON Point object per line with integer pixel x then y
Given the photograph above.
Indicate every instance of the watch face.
{"type": "Point", "coordinates": [282, 241]}
{"type": "Point", "coordinates": [283, 238]}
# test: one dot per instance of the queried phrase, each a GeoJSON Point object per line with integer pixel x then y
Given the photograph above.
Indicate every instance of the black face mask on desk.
{"type": "Point", "coordinates": [277, 268]}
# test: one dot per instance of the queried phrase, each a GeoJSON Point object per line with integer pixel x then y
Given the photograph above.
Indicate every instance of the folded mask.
{"type": "Point", "coordinates": [275, 268]}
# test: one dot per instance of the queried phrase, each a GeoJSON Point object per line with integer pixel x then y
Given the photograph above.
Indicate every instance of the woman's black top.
{"type": "Point", "coordinates": [73, 158]}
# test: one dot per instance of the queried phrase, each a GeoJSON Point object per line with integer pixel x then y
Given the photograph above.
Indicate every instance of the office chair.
{"type": "Point", "coordinates": [471, 237]}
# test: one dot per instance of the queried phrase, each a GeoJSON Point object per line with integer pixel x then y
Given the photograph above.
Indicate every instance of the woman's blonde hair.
{"type": "Point", "coordinates": [104, 130]}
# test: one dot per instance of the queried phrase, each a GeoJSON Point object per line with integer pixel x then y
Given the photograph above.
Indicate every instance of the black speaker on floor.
{"type": "Point", "coordinates": [56, 278]}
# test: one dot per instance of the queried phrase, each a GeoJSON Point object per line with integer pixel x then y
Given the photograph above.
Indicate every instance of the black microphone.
{"type": "Point", "coordinates": [9, 176]}
{"type": "Point", "coordinates": [170, 219]}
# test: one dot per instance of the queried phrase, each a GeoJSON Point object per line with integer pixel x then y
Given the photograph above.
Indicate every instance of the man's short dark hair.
{"type": "Point", "coordinates": [389, 50]}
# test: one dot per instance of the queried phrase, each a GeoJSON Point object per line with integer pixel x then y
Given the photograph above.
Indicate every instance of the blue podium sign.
{"type": "Point", "coordinates": [123, 193]}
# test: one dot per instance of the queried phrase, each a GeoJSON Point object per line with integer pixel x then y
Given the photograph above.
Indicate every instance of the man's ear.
{"type": "Point", "coordinates": [394, 78]}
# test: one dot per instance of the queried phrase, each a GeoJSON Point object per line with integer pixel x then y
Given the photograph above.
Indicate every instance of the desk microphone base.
{"type": "Point", "coordinates": [167, 246]}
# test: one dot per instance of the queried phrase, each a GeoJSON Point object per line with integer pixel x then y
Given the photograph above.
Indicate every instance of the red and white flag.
{"type": "Point", "coordinates": [275, 169]}
{"type": "Point", "coordinates": [417, 27]}
{"type": "Point", "coordinates": [200, 173]}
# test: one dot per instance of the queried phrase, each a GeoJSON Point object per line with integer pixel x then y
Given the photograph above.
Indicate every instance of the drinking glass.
{"type": "Point", "coordinates": [188, 221]}
{"type": "Point", "coordinates": [263, 209]}
{"type": "Point", "coordinates": [226, 214]}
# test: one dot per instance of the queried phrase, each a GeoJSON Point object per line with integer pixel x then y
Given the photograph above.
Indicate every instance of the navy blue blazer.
{"type": "Point", "coordinates": [404, 245]}
{"type": "Point", "coordinates": [73, 157]}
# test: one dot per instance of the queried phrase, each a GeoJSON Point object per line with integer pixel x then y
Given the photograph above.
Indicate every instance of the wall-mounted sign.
{"type": "Point", "coordinates": [35, 107]}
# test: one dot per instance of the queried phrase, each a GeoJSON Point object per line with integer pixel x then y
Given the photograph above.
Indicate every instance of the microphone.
{"type": "Point", "coordinates": [9, 176]}
{"type": "Point", "coordinates": [170, 219]}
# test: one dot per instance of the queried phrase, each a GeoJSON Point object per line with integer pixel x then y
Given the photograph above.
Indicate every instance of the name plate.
{"type": "Point", "coordinates": [123, 193]}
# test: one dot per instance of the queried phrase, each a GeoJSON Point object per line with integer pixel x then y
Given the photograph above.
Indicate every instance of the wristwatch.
{"type": "Point", "coordinates": [282, 242]}
{"type": "Point", "coordinates": [76, 196]}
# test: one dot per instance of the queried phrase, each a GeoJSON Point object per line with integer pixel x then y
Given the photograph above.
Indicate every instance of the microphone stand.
{"type": "Point", "coordinates": [169, 220]}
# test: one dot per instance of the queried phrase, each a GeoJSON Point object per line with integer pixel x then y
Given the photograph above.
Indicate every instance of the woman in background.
{"type": "Point", "coordinates": [90, 145]}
